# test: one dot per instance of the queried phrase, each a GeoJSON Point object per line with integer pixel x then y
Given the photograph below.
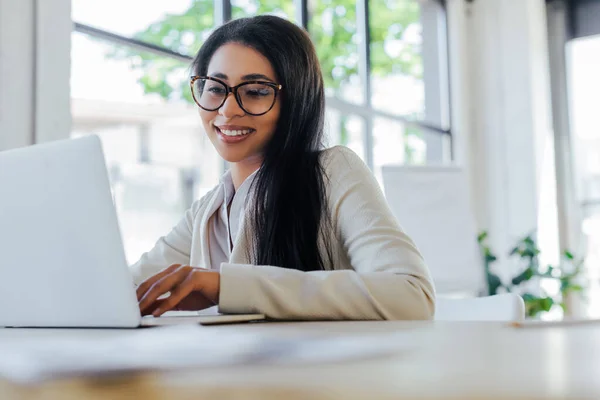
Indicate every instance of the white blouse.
{"type": "Point", "coordinates": [376, 273]}
{"type": "Point", "coordinates": [226, 225]}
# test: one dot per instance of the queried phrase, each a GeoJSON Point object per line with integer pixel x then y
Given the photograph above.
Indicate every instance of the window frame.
{"type": "Point", "coordinates": [437, 124]}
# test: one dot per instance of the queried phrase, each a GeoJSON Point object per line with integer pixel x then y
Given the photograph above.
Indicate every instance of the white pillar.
{"type": "Point", "coordinates": [35, 38]}
{"type": "Point", "coordinates": [435, 78]}
{"type": "Point", "coordinates": [53, 70]}
{"type": "Point", "coordinates": [568, 206]}
{"type": "Point", "coordinates": [501, 111]}
{"type": "Point", "coordinates": [16, 73]}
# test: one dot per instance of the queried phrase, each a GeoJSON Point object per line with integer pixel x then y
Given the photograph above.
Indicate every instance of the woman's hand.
{"type": "Point", "coordinates": [190, 289]}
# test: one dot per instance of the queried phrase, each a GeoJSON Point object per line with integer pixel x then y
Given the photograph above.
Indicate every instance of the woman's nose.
{"type": "Point", "coordinates": [231, 108]}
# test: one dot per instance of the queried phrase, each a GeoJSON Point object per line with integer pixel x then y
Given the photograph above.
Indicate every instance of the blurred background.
{"type": "Point", "coordinates": [137, 98]}
{"type": "Point", "coordinates": [506, 89]}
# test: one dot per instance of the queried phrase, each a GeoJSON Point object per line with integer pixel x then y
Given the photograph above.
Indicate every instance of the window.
{"type": "Point", "coordinates": [138, 103]}
{"type": "Point", "coordinates": [247, 8]}
{"type": "Point", "coordinates": [334, 32]}
{"type": "Point", "coordinates": [178, 25]}
{"type": "Point", "coordinates": [383, 62]}
{"type": "Point", "coordinates": [397, 61]}
{"type": "Point", "coordinates": [584, 82]}
{"type": "Point", "coordinates": [396, 85]}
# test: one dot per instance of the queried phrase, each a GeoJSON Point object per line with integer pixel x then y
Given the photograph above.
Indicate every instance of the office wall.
{"type": "Point", "coordinates": [34, 71]}
{"type": "Point", "coordinates": [501, 111]}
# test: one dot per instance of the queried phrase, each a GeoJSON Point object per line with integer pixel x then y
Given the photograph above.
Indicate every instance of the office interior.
{"type": "Point", "coordinates": [504, 89]}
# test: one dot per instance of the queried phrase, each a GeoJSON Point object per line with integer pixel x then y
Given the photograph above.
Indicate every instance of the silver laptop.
{"type": "Point", "coordinates": [62, 262]}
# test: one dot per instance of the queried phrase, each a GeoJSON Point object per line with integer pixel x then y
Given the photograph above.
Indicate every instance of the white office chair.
{"type": "Point", "coordinates": [502, 307]}
{"type": "Point", "coordinates": [432, 204]}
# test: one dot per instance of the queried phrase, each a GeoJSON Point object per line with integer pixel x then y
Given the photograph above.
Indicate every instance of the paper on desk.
{"type": "Point", "coordinates": [34, 360]}
{"type": "Point", "coordinates": [550, 324]}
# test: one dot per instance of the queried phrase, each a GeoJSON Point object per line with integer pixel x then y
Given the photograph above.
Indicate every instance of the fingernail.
{"type": "Point", "coordinates": [156, 312]}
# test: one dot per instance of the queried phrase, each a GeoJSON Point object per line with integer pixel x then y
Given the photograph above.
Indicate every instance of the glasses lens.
{"type": "Point", "coordinates": [208, 93]}
{"type": "Point", "coordinates": [256, 98]}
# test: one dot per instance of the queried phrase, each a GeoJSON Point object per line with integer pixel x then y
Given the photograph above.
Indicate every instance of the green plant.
{"type": "Point", "coordinates": [566, 273]}
{"type": "Point", "coordinates": [333, 30]}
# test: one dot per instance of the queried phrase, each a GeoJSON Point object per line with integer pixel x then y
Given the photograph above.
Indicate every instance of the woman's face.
{"type": "Point", "coordinates": [233, 64]}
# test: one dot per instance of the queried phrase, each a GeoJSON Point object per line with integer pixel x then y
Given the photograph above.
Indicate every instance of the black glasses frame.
{"type": "Point", "coordinates": [234, 90]}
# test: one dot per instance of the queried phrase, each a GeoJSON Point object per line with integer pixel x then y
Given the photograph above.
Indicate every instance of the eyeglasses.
{"type": "Point", "coordinates": [254, 97]}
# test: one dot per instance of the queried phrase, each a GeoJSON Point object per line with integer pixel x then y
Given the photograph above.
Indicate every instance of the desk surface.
{"type": "Point", "coordinates": [449, 360]}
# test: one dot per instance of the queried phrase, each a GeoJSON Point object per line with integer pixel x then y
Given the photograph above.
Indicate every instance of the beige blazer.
{"type": "Point", "coordinates": [377, 272]}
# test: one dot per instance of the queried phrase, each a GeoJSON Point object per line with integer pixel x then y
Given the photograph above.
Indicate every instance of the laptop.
{"type": "Point", "coordinates": [62, 262]}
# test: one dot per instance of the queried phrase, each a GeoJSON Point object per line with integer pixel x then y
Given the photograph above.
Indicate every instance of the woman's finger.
{"type": "Point", "coordinates": [194, 302]}
{"type": "Point", "coordinates": [149, 310]}
{"type": "Point", "coordinates": [180, 292]}
{"type": "Point", "coordinates": [162, 286]}
{"type": "Point", "coordinates": [147, 284]}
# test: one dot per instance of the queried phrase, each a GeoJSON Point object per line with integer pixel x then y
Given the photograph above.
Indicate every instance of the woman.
{"type": "Point", "coordinates": [291, 231]}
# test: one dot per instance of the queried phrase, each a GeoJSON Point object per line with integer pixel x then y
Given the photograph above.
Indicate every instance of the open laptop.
{"type": "Point", "coordinates": [62, 262]}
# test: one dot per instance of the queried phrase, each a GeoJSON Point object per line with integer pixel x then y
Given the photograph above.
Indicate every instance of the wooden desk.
{"type": "Point", "coordinates": [444, 360]}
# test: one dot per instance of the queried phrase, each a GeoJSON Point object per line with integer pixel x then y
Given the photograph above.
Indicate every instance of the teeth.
{"type": "Point", "coordinates": [236, 132]}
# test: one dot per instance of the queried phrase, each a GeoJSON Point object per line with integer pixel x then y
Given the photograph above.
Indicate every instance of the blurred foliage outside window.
{"type": "Point", "coordinates": [395, 47]}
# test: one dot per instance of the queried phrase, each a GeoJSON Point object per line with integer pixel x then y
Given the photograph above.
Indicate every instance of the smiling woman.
{"type": "Point", "coordinates": [292, 231]}
{"type": "Point", "coordinates": [254, 106]}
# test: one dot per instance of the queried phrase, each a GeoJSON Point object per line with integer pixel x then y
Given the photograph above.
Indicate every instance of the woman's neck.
{"type": "Point", "coordinates": [243, 169]}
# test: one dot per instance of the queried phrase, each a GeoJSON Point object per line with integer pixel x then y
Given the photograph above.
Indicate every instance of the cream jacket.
{"type": "Point", "coordinates": [377, 272]}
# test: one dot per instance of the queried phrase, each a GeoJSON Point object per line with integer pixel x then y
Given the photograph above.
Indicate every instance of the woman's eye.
{"type": "Point", "coordinates": [257, 93]}
{"type": "Point", "coordinates": [216, 90]}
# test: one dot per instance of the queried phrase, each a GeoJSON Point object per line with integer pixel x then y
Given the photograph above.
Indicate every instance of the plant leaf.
{"type": "Point", "coordinates": [482, 236]}
{"type": "Point", "coordinates": [523, 276]}
{"type": "Point", "coordinates": [528, 297]}
{"type": "Point", "coordinates": [494, 283]}
{"type": "Point", "coordinates": [546, 303]}
{"type": "Point", "coordinates": [576, 288]}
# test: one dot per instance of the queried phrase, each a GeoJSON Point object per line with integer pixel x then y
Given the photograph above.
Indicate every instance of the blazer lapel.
{"type": "Point", "coordinates": [206, 225]}
{"type": "Point", "coordinates": [240, 247]}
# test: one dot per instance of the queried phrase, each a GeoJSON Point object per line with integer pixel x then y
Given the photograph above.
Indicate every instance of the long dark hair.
{"type": "Point", "coordinates": [289, 209]}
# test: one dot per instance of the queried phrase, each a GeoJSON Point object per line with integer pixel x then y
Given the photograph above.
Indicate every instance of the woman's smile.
{"type": "Point", "coordinates": [233, 133]}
